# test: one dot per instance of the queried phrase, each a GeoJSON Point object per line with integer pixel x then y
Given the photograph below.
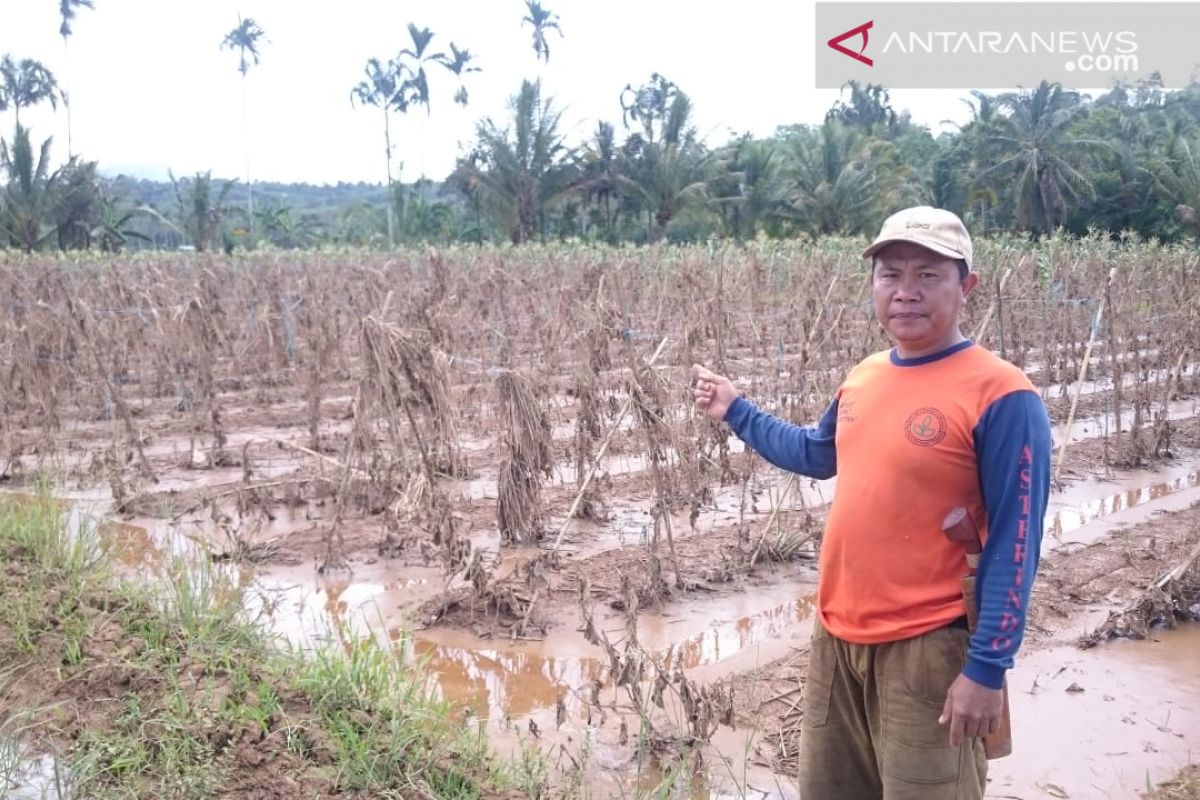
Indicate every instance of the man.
{"type": "Point", "coordinates": [898, 693]}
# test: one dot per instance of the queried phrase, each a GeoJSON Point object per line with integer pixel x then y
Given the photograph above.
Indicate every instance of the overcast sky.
{"type": "Point", "coordinates": [151, 89]}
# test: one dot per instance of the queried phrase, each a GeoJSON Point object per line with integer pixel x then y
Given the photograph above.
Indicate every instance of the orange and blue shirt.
{"type": "Point", "coordinates": [909, 440]}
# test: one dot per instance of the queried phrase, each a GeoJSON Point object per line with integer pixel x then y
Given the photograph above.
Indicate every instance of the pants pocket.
{"type": "Point", "coordinates": [818, 684]}
{"type": "Point", "coordinates": [915, 747]}
{"type": "Point", "coordinates": [916, 751]}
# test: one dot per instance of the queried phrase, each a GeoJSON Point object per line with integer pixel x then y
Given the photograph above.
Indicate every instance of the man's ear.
{"type": "Point", "coordinates": [969, 283]}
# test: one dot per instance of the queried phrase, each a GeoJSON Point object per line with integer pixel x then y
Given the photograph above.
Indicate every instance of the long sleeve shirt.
{"type": "Point", "coordinates": [909, 440]}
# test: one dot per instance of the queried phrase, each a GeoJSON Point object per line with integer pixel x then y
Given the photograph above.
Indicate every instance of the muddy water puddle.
{"type": "Point", "coordinates": [1096, 427]}
{"type": "Point", "coordinates": [40, 777]}
{"type": "Point", "coordinates": [1102, 723]}
{"type": "Point", "coordinates": [497, 678]}
{"type": "Point", "coordinates": [1089, 510]}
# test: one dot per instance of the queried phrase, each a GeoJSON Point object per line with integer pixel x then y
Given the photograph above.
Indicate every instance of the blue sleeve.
{"type": "Point", "coordinates": [1012, 442]}
{"type": "Point", "coordinates": [807, 450]}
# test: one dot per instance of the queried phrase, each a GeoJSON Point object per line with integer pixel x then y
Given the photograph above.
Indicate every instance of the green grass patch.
{"type": "Point", "coordinates": [168, 689]}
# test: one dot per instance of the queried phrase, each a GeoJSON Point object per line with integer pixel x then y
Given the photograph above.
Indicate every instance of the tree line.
{"type": "Point", "coordinates": [1032, 161]}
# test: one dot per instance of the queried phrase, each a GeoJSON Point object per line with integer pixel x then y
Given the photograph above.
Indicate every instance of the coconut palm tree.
{"type": "Point", "coordinates": [517, 172]}
{"type": "Point", "coordinates": [957, 182]}
{"type": "Point", "coordinates": [541, 20]}
{"type": "Point", "coordinates": [602, 181]}
{"type": "Point", "coordinates": [379, 89]}
{"type": "Point", "coordinates": [841, 180]}
{"type": "Point", "coordinates": [77, 205]}
{"type": "Point", "coordinates": [198, 212]}
{"type": "Point", "coordinates": [25, 83]}
{"type": "Point", "coordinates": [1044, 166]}
{"type": "Point", "coordinates": [748, 190]}
{"type": "Point", "coordinates": [67, 10]}
{"type": "Point", "coordinates": [410, 67]}
{"type": "Point", "coordinates": [384, 89]}
{"type": "Point", "coordinates": [245, 40]}
{"type": "Point", "coordinates": [403, 83]}
{"type": "Point", "coordinates": [649, 105]}
{"type": "Point", "coordinates": [667, 167]}
{"type": "Point", "coordinates": [869, 107]}
{"type": "Point", "coordinates": [1177, 173]}
{"type": "Point", "coordinates": [30, 191]}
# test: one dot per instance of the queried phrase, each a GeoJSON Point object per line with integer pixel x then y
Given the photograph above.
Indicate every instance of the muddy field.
{"type": "Point", "coordinates": [495, 451]}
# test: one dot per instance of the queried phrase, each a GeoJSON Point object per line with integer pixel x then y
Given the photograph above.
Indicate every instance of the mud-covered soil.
{"type": "Point", "coordinates": [711, 564]}
{"type": "Point", "coordinates": [268, 496]}
{"type": "Point", "coordinates": [1079, 583]}
{"type": "Point", "coordinates": [1077, 588]}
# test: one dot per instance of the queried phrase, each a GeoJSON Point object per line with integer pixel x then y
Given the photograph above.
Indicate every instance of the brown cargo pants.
{"type": "Point", "coordinates": [870, 729]}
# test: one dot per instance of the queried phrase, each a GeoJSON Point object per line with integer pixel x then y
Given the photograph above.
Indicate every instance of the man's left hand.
{"type": "Point", "coordinates": [971, 709]}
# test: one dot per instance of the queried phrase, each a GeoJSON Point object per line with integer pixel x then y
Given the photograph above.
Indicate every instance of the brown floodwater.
{"type": "Point", "coordinates": [1138, 715]}
{"type": "Point", "coordinates": [498, 678]}
{"type": "Point", "coordinates": [1091, 509]}
{"type": "Point", "coordinates": [1101, 723]}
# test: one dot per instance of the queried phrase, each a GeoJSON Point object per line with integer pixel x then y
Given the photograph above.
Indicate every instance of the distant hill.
{"type": "Point", "coordinates": [302, 198]}
{"type": "Point", "coordinates": [289, 214]}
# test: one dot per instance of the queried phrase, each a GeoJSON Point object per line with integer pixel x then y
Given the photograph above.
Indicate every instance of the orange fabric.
{"type": "Point", "coordinates": [905, 457]}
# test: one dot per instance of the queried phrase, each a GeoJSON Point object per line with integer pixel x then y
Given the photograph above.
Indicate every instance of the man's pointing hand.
{"type": "Point", "coordinates": [714, 393]}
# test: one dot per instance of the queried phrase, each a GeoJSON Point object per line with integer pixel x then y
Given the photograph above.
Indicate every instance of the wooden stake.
{"type": "Point", "coordinates": [333, 462]}
{"type": "Point", "coordinates": [987, 318]}
{"type": "Point", "coordinates": [1087, 357]}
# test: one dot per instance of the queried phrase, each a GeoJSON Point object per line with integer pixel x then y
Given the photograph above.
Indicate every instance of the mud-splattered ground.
{"type": "Point", "coordinates": [1087, 723]}
{"type": "Point", "coordinates": [733, 605]}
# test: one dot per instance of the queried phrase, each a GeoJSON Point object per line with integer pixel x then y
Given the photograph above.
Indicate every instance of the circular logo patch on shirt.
{"type": "Point", "coordinates": [925, 427]}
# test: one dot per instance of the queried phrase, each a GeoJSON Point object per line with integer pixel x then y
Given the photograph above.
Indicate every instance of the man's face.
{"type": "Point", "coordinates": [918, 296]}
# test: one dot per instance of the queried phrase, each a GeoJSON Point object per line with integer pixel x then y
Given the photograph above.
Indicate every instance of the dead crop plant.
{"type": "Point", "coordinates": [403, 385]}
{"type": "Point", "coordinates": [587, 433]}
{"type": "Point", "coordinates": [403, 372]}
{"type": "Point", "coordinates": [592, 357]}
{"type": "Point", "coordinates": [1173, 597]}
{"type": "Point", "coordinates": [661, 694]}
{"type": "Point", "coordinates": [202, 345]}
{"type": "Point", "coordinates": [100, 347]}
{"type": "Point", "coordinates": [526, 437]}
{"type": "Point", "coordinates": [649, 396]}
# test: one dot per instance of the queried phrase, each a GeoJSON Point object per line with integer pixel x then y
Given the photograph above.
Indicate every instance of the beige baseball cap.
{"type": "Point", "coordinates": [932, 228]}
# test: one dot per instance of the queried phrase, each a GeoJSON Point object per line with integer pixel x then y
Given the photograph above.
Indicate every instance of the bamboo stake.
{"type": "Point", "coordinates": [987, 318]}
{"type": "Point", "coordinates": [528, 611]}
{"type": "Point", "coordinates": [603, 449]}
{"type": "Point", "coordinates": [1087, 357]}
{"type": "Point", "coordinates": [333, 462]}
